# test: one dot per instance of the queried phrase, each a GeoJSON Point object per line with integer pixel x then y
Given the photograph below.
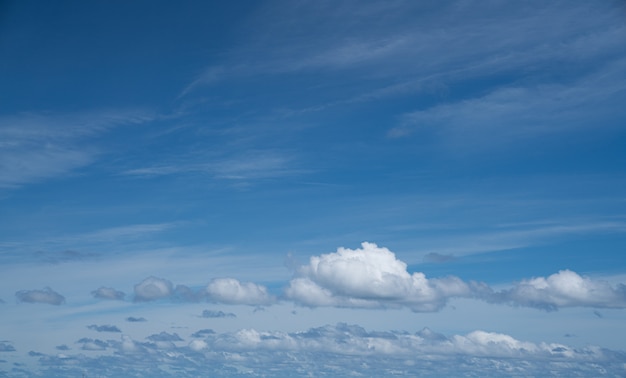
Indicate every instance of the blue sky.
{"type": "Point", "coordinates": [311, 187]}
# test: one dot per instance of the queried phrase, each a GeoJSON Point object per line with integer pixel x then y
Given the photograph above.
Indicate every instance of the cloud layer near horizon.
{"type": "Point", "coordinates": [346, 349]}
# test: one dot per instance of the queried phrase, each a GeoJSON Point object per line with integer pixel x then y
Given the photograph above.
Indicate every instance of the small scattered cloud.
{"type": "Point", "coordinates": [104, 328]}
{"type": "Point", "coordinates": [6, 347]}
{"type": "Point", "coordinates": [217, 314]}
{"type": "Point", "coordinates": [62, 347]}
{"type": "Point", "coordinates": [231, 291]}
{"type": "Point", "coordinates": [133, 319]}
{"type": "Point", "coordinates": [47, 295]}
{"type": "Point", "coordinates": [108, 293]}
{"type": "Point", "coordinates": [153, 288]}
{"type": "Point", "coordinates": [563, 289]}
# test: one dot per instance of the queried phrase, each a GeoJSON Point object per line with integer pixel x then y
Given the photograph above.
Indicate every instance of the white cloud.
{"type": "Point", "coordinates": [564, 289]}
{"type": "Point", "coordinates": [230, 290]}
{"type": "Point", "coordinates": [47, 295]}
{"type": "Point", "coordinates": [370, 277]}
{"type": "Point", "coordinates": [153, 288]}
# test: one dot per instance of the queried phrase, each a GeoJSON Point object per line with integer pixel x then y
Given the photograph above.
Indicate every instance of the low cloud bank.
{"type": "Point", "coordinates": [337, 350]}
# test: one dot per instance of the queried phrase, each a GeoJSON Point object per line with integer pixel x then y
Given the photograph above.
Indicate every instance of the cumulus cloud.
{"type": "Point", "coordinates": [108, 293]}
{"type": "Point", "coordinates": [153, 288]}
{"type": "Point", "coordinates": [217, 314]}
{"type": "Point", "coordinates": [230, 290]}
{"type": "Point", "coordinates": [104, 328]}
{"type": "Point", "coordinates": [564, 289]}
{"type": "Point", "coordinates": [47, 295]}
{"type": "Point", "coordinates": [371, 276]}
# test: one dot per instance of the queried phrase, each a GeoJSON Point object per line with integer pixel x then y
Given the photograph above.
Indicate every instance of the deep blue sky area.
{"type": "Point", "coordinates": [319, 187]}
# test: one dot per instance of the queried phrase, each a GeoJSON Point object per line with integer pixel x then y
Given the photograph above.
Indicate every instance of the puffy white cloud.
{"type": "Point", "coordinates": [370, 276]}
{"type": "Point", "coordinates": [47, 295]}
{"type": "Point", "coordinates": [108, 293]}
{"type": "Point", "coordinates": [564, 289]}
{"type": "Point", "coordinates": [153, 288]}
{"type": "Point", "coordinates": [230, 290]}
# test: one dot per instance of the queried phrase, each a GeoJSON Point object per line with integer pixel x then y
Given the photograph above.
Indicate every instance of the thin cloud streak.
{"type": "Point", "coordinates": [37, 147]}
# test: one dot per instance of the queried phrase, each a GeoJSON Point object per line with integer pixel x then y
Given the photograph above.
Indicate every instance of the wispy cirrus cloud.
{"type": "Point", "coordinates": [253, 165]}
{"type": "Point", "coordinates": [394, 48]}
{"type": "Point", "coordinates": [39, 146]}
{"type": "Point", "coordinates": [513, 113]}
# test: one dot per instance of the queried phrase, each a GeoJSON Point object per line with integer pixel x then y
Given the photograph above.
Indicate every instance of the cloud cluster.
{"type": "Point", "coordinates": [219, 290]}
{"type": "Point", "coordinates": [370, 276]}
{"type": "Point", "coordinates": [564, 289]}
{"type": "Point", "coordinates": [47, 295]}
